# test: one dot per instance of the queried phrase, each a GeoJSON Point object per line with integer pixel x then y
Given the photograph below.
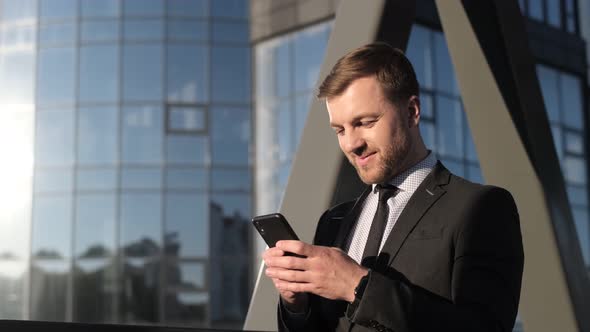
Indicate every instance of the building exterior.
{"type": "Point", "coordinates": [142, 135]}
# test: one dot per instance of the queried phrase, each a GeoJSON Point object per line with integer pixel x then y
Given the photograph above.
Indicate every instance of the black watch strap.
{"type": "Point", "coordinates": [359, 290]}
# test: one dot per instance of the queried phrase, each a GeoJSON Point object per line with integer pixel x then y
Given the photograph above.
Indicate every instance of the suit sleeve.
{"type": "Point", "coordinates": [486, 278]}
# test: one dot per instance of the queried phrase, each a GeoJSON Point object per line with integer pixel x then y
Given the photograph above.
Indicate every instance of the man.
{"type": "Point", "coordinates": [421, 249]}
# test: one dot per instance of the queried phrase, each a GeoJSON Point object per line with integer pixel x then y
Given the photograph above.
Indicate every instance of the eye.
{"type": "Point", "coordinates": [367, 123]}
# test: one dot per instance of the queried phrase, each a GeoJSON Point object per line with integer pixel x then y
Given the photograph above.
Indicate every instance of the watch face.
{"type": "Point", "coordinates": [360, 288]}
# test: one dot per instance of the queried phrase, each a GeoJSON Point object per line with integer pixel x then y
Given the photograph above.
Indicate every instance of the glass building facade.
{"type": "Point", "coordinates": [134, 157]}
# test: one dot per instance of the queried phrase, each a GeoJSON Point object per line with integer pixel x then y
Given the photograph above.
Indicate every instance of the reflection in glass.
{"type": "Point", "coordinates": [302, 104]}
{"type": "Point", "coordinates": [49, 289]}
{"type": "Point", "coordinates": [143, 7]}
{"type": "Point", "coordinates": [54, 138]}
{"type": "Point", "coordinates": [232, 32]}
{"type": "Point", "coordinates": [428, 131]}
{"type": "Point", "coordinates": [188, 30]}
{"type": "Point", "coordinates": [571, 101]}
{"type": "Point", "coordinates": [536, 9]}
{"type": "Point", "coordinates": [57, 34]}
{"type": "Point", "coordinates": [457, 168]}
{"type": "Point", "coordinates": [185, 149]}
{"type": "Point", "coordinates": [53, 180]}
{"type": "Point", "coordinates": [231, 136]}
{"type": "Point", "coordinates": [139, 296]}
{"type": "Point", "coordinates": [230, 215]}
{"type": "Point", "coordinates": [18, 37]}
{"type": "Point", "coordinates": [99, 67]}
{"type": "Point", "coordinates": [419, 52]}
{"type": "Point", "coordinates": [557, 140]}
{"type": "Point", "coordinates": [574, 142]}
{"type": "Point", "coordinates": [186, 307]}
{"type": "Point", "coordinates": [581, 222]}
{"type": "Point", "coordinates": [142, 140]}
{"type": "Point", "coordinates": [95, 225]}
{"type": "Point", "coordinates": [578, 195]}
{"type": "Point", "coordinates": [230, 8]}
{"type": "Point", "coordinates": [283, 132]}
{"type": "Point", "coordinates": [17, 77]}
{"type": "Point", "coordinates": [143, 72]}
{"type": "Point", "coordinates": [143, 29]}
{"type": "Point", "coordinates": [306, 47]}
{"type": "Point", "coordinates": [141, 178]}
{"type": "Point", "coordinates": [426, 105]}
{"type": "Point", "coordinates": [186, 276]}
{"type": "Point", "coordinates": [141, 227]}
{"type": "Point", "coordinates": [549, 88]}
{"type": "Point", "coordinates": [187, 119]}
{"type": "Point", "coordinates": [187, 225]}
{"type": "Point", "coordinates": [56, 76]}
{"type": "Point", "coordinates": [470, 145]}
{"type": "Point", "coordinates": [52, 226]}
{"type": "Point", "coordinates": [187, 73]}
{"type": "Point", "coordinates": [99, 31]}
{"type": "Point", "coordinates": [20, 10]}
{"type": "Point", "coordinates": [574, 169]}
{"type": "Point", "coordinates": [13, 282]}
{"type": "Point", "coordinates": [97, 135]}
{"type": "Point", "coordinates": [102, 8]}
{"type": "Point", "coordinates": [554, 13]}
{"type": "Point", "coordinates": [231, 180]}
{"type": "Point", "coordinates": [449, 117]}
{"type": "Point", "coordinates": [474, 174]}
{"type": "Point", "coordinates": [186, 178]}
{"type": "Point", "coordinates": [188, 8]}
{"type": "Point", "coordinates": [96, 179]}
{"type": "Point", "coordinates": [58, 9]}
{"type": "Point", "coordinates": [445, 74]}
{"type": "Point", "coordinates": [282, 68]}
{"type": "Point", "coordinates": [229, 290]}
{"type": "Point", "coordinates": [227, 64]}
{"type": "Point", "coordinates": [94, 290]}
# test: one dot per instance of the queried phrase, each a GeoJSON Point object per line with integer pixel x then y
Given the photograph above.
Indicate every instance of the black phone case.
{"type": "Point", "coordinates": [274, 227]}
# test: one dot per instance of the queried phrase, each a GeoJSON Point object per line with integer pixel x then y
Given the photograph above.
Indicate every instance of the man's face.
{"type": "Point", "coordinates": [374, 134]}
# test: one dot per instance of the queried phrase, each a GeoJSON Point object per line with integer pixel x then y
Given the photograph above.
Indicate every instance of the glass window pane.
{"type": "Point", "coordinates": [17, 38]}
{"type": "Point", "coordinates": [102, 8]}
{"type": "Point", "coordinates": [571, 24]}
{"type": "Point", "coordinates": [445, 73]}
{"type": "Point", "coordinates": [56, 81]}
{"type": "Point", "coordinates": [186, 307]}
{"type": "Point", "coordinates": [57, 34]}
{"type": "Point", "coordinates": [574, 142]}
{"type": "Point", "coordinates": [142, 140]}
{"type": "Point", "coordinates": [230, 221]}
{"type": "Point", "coordinates": [141, 178]}
{"type": "Point", "coordinates": [99, 31]}
{"type": "Point", "coordinates": [578, 195]}
{"type": "Point", "coordinates": [54, 138]}
{"type": "Point", "coordinates": [449, 117]}
{"type": "Point", "coordinates": [571, 101]}
{"type": "Point", "coordinates": [185, 149]}
{"type": "Point", "coordinates": [187, 119]}
{"type": "Point", "coordinates": [20, 10]}
{"type": "Point", "coordinates": [97, 135]}
{"type": "Point", "coordinates": [231, 136]}
{"type": "Point", "coordinates": [557, 140]}
{"type": "Point", "coordinates": [188, 30]}
{"type": "Point", "coordinates": [419, 52]}
{"type": "Point", "coordinates": [187, 178]}
{"type": "Point", "coordinates": [99, 81]}
{"type": "Point", "coordinates": [140, 293]}
{"type": "Point", "coordinates": [58, 9]}
{"type": "Point", "coordinates": [470, 144]}
{"type": "Point", "coordinates": [96, 179]}
{"type": "Point", "coordinates": [231, 294]}
{"type": "Point", "coordinates": [143, 67]}
{"type": "Point", "coordinates": [554, 13]}
{"type": "Point", "coordinates": [187, 225]}
{"type": "Point", "coordinates": [141, 30]}
{"type": "Point", "coordinates": [231, 180]}
{"type": "Point", "coordinates": [474, 174]}
{"type": "Point", "coordinates": [49, 289]}
{"type": "Point", "coordinates": [94, 291]}
{"type": "Point", "coordinates": [428, 131]}
{"type": "Point", "coordinates": [187, 73]}
{"type": "Point", "coordinates": [230, 74]}
{"type": "Point", "coordinates": [230, 8]}
{"type": "Point", "coordinates": [13, 283]}
{"type": "Point", "coordinates": [309, 48]}
{"type": "Point", "coordinates": [17, 77]}
{"type": "Point", "coordinates": [457, 168]}
{"type": "Point", "coordinates": [302, 104]}
{"type": "Point", "coordinates": [95, 225]}
{"type": "Point", "coordinates": [53, 180]}
{"type": "Point", "coordinates": [231, 32]}
{"type": "Point", "coordinates": [141, 226]}
{"type": "Point", "coordinates": [574, 169]}
{"type": "Point", "coordinates": [186, 276]}
{"type": "Point", "coordinates": [143, 7]}
{"type": "Point", "coordinates": [283, 69]}
{"type": "Point", "coordinates": [581, 222]}
{"type": "Point", "coordinates": [536, 9]}
{"type": "Point", "coordinates": [549, 88]}
{"type": "Point", "coordinates": [188, 8]}
{"type": "Point", "coordinates": [426, 106]}
{"type": "Point", "coordinates": [284, 131]}
{"type": "Point", "coordinates": [52, 226]}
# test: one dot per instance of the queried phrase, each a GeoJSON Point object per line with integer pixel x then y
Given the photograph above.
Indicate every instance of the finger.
{"type": "Point", "coordinates": [287, 275]}
{"type": "Point", "coordinates": [287, 262]}
{"type": "Point", "coordinates": [295, 287]}
{"type": "Point", "coordinates": [272, 252]}
{"type": "Point", "coordinates": [296, 247]}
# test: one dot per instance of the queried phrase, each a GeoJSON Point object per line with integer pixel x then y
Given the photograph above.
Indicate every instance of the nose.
{"type": "Point", "coordinates": [352, 143]}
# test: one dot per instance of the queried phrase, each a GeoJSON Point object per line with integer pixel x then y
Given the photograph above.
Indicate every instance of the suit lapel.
{"type": "Point", "coordinates": [348, 220]}
{"type": "Point", "coordinates": [429, 191]}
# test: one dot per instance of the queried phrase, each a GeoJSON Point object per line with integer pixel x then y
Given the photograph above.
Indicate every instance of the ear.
{"type": "Point", "coordinates": [413, 111]}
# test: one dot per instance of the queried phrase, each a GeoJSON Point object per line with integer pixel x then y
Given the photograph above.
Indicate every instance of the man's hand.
{"type": "Point", "coordinates": [295, 302]}
{"type": "Point", "coordinates": [327, 272]}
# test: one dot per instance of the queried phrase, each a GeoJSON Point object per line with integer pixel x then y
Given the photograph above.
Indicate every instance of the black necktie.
{"type": "Point", "coordinates": [379, 223]}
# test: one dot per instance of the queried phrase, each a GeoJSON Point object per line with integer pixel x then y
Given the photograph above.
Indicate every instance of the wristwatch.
{"type": "Point", "coordinates": [359, 290]}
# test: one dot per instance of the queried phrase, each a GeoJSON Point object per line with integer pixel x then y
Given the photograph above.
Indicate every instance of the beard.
{"type": "Point", "coordinates": [389, 161]}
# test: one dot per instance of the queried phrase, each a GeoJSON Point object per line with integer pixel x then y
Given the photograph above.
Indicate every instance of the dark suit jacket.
{"type": "Point", "coordinates": [453, 262]}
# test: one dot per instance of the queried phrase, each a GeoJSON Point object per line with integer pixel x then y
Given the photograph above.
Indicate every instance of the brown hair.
{"type": "Point", "coordinates": [389, 65]}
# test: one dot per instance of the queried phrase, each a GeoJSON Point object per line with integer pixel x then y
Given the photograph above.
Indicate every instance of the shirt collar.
{"type": "Point", "coordinates": [410, 179]}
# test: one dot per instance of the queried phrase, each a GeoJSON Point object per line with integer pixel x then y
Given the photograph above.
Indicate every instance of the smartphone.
{"type": "Point", "coordinates": [273, 228]}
